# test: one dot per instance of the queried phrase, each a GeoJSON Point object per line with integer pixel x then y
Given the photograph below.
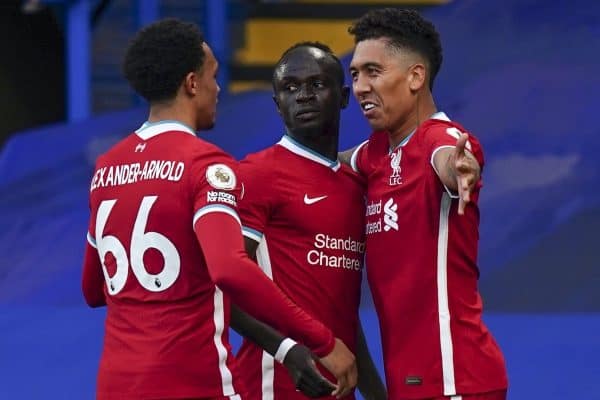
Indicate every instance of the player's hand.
{"type": "Point", "coordinates": [342, 364]}
{"type": "Point", "coordinates": [307, 378]}
{"type": "Point", "coordinates": [467, 172]}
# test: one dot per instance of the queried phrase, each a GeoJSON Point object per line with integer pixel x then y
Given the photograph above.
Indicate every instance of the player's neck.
{"type": "Point", "coordinates": [324, 144]}
{"type": "Point", "coordinates": [163, 112]}
{"type": "Point", "coordinates": [422, 111]}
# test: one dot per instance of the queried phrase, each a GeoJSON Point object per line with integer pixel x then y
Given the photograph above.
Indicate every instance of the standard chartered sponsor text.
{"type": "Point", "coordinates": [321, 255]}
{"type": "Point", "coordinates": [374, 226]}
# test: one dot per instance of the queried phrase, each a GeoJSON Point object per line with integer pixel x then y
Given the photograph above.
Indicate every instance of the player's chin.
{"type": "Point", "coordinates": [208, 124]}
{"type": "Point", "coordinates": [309, 123]}
{"type": "Point", "coordinates": [376, 125]}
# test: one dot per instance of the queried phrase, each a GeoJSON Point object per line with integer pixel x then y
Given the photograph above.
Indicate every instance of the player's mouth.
{"type": "Point", "coordinates": [307, 114]}
{"type": "Point", "coordinates": [369, 108]}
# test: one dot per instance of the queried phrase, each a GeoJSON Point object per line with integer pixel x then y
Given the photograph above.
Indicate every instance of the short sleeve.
{"type": "Point", "coordinates": [442, 135]}
{"type": "Point", "coordinates": [357, 161]}
{"type": "Point", "coordinates": [256, 204]}
{"type": "Point", "coordinates": [214, 183]}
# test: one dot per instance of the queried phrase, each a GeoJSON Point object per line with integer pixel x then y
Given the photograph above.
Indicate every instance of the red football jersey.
{"type": "Point", "coordinates": [422, 270]}
{"type": "Point", "coordinates": [166, 321]}
{"type": "Point", "coordinates": [306, 213]}
{"type": "Point", "coordinates": [153, 197]}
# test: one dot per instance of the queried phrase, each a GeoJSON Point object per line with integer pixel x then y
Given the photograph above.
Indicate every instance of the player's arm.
{"type": "Point", "coordinates": [351, 157]}
{"type": "Point", "coordinates": [458, 170]}
{"type": "Point", "coordinates": [346, 155]}
{"type": "Point", "coordinates": [370, 384]}
{"type": "Point", "coordinates": [92, 281]}
{"type": "Point", "coordinates": [296, 357]}
{"type": "Point", "coordinates": [232, 271]}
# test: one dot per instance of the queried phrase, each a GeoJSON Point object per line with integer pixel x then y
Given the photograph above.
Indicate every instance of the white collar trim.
{"type": "Point", "coordinates": [150, 129]}
{"type": "Point", "coordinates": [305, 152]}
{"type": "Point", "coordinates": [440, 115]}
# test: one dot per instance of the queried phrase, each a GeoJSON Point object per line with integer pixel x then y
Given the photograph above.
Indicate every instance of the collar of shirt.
{"type": "Point", "coordinates": [150, 129]}
{"type": "Point", "coordinates": [438, 115]}
{"type": "Point", "coordinates": [303, 151]}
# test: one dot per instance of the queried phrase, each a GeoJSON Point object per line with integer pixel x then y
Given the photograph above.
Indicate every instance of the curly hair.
{"type": "Point", "coordinates": [160, 56]}
{"type": "Point", "coordinates": [318, 45]}
{"type": "Point", "coordinates": [405, 29]}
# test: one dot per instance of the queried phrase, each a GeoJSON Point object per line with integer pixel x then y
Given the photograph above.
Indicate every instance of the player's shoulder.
{"type": "Point", "coordinates": [437, 123]}
{"type": "Point", "coordinates": [440, 123]}
{"type": "Point", "coordinates": [205, 152]}
{"type": "Point", "coordinates": [362, 157]}
{"type": "Point", "coordinates": [260, 170]}
{"type": "Point", "coordinates": [373, 148]}
{"type": "Point", "coordinates": [377, 142]}
{"type": "Point", "coordinates": [265, 154]}
{"type": "Point", "coordinates": [259, 173]}
{"type": "Point", "coordinates": [116, 150]}
{"type": "Point", "coordinates": [444, 128]}
{"type": "Point", "coordinates": [377, 138]}
{"type": "Point", "coordinates": [351, 177]}
{"type": "Point", "coordinates": [263, 160]}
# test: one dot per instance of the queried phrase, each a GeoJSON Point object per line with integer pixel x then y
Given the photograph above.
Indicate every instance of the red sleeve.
{"type": "Point", "coordinates": [442, 134]}
{"type": "Point", "coordinates": [214, 181]}
{"type": "Point", "coordinates": [256, 204]}
{"type": "Point", "coordinates": [357, 160]}
{"type": "Point", "coordinates": [233, 272]}
{"type": "Point", "coordinates": [92, 281]}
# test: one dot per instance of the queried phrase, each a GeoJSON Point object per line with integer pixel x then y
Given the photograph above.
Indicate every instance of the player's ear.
{"type": "Point", "coordinates": [416, 76]}
{"type": "Point", "coordinates": [277, 104]}
{"type": "Point", "coordinates": [190, 83]}
{"type": "Point", "coordinates": [345, 96]}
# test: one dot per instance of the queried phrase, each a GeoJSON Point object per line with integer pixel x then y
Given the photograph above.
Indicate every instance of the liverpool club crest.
{"type": "Point", "coordinates": [395, 178]}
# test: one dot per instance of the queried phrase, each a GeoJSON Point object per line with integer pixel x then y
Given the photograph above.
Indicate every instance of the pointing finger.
{"type": "Point", "coordinates": [461, 144]}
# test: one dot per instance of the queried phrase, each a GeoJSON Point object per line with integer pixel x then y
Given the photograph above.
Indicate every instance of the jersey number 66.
{"type": "Point", "coordinates": [141, 241]}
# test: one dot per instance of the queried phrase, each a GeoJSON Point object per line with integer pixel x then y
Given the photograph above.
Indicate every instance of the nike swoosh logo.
{"type": "Point", "coordinates": [308, 200]}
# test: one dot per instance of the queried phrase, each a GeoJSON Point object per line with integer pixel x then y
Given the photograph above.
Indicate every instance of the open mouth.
{"type": "Point", "coordinates": [368, 107]}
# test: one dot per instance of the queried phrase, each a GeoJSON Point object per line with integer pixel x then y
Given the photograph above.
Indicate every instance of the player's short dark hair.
{"type": "Point", "coordinates": [321, 46]}
{"type": "Point", "coordinates": [160, 56]}
{"type": "Point", "coordinates": [405, 29]}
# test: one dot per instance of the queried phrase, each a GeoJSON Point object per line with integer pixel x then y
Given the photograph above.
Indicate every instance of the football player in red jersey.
{"type": "Point", "coordinates": [165, 252]}
{"type": "Point", "coordinates": [302, 218]}
{"type": "Point", "coordinates": [423, 182]}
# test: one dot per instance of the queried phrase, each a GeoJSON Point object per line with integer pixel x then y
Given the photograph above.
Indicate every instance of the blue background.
{"type": "Point", "coordinates": [520, 74]}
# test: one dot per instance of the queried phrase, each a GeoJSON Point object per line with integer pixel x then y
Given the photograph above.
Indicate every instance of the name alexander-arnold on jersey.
{"type": "Point", "coordinates": [115, 175]}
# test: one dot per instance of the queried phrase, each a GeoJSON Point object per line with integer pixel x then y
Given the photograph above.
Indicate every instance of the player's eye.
{"type": "Point", "coordinates": [319, 84]}
{"type": "Point", "coordinates": [291, 87]}
{"type": "Point", "coordinates": [372, 71]}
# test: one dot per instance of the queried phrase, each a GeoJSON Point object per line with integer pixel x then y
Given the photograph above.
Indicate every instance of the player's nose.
{"type": "Point", "coordinates": [360, 85]}
{"type": "Point", "coordinates": [304, 93]}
